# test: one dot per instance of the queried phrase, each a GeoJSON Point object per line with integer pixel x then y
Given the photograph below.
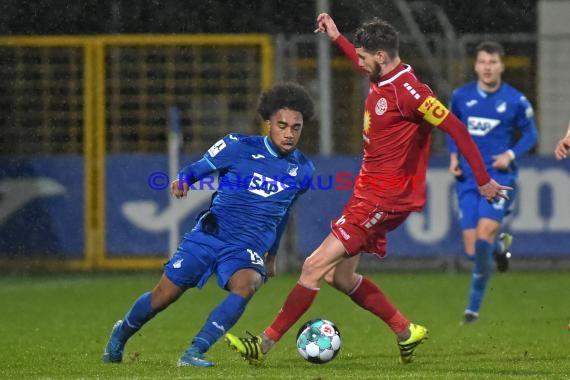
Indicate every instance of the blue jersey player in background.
{"type": "Point", "coordinates": [494, 112]}
{"type": "Point", "coordinates": [238, 236]}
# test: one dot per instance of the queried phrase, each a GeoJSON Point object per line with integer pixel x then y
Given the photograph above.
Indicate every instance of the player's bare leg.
{"type": "Point", "coordinates": [469, 238]}
{"type": "Point", "coordinates": [343, 276]}
{"type": "Point", "coordinates": [327, 256]}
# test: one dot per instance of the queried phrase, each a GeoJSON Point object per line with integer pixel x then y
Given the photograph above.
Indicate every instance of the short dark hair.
{"type": "Point", "coordinates": [377, 34]}
{"type": "Point", "coordinates": [491, 47]}
{"type": "Point", "coordinates": [286, 95]}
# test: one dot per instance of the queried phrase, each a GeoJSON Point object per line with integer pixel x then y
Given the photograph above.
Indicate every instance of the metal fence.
{"type": "Point", "coordinates": [213, 80]}
{"type": "Point", "coordinates": [104, 98]}
{"type": "Point", "coordinates": [45, 89]}
{"type": "Point", "coordinates": [91, 97]}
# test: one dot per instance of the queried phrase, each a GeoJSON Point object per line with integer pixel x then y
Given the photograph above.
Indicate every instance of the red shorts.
{"type": "Point", "coordinates": [362, 227]}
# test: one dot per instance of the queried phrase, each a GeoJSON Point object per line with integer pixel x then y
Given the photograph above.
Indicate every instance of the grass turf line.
{"type": "Point", "coordinates": [56, 327]}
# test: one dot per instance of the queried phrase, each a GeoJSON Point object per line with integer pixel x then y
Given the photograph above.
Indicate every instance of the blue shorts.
{"type": "Point", "coordinates": [200, 255]}
{"type": "Point", "coordinates": [472, 206]}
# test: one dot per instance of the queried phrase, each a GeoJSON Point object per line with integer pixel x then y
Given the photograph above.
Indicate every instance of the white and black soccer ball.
{"type": "Point", "coordinates": [318, 341]}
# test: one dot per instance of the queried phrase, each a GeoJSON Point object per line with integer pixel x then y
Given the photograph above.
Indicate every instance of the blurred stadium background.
{"type": "Point", "coordinates": [96, 97]}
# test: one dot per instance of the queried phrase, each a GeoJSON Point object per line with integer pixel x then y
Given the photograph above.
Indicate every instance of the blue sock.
{"type": "Point", "coordinates": [220, 320]}
{"type": "Point", "coordinates": [498, 247]}
{"type": "Point", "coordinates": [469, 257]}
{"type": "Point", "coordinates": [139, 314]}
{"type": "Point", "coordinates": [481, 273]}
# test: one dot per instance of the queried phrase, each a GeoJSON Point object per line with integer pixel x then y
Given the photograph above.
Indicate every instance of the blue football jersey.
{"type": "Point", "coordinates": [256, 187]}
{"type": "Point", "coordinates": [492, 119]}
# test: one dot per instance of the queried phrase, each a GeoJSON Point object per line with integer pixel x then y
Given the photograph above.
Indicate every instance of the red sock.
{"type": "Point", "coordinates": [297, 302]}
{"type": "Point", "coordinates": [368, 296]}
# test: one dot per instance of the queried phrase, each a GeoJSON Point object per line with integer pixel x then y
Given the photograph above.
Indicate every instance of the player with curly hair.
{"type": "Point", "coordinates": [237, 238]}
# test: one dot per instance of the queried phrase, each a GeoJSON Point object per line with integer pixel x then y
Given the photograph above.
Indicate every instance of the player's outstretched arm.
{"type": "Point", "coordinates": [325, 24]}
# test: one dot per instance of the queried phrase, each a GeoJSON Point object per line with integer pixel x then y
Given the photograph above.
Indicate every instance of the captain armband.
{"type": "Point", "coordinates": [434, 112]}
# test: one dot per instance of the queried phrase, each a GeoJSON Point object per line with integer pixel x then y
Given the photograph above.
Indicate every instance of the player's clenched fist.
{"type": "Point", "coordinates": [562, 147]}
{"type": "Point", "coordinates": [179, 190]}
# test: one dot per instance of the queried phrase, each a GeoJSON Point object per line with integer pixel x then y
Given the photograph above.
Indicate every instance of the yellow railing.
{"type": "Point", "coordinates": [182, 65]}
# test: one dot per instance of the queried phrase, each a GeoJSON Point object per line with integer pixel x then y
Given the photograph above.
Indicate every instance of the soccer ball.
{"type": "Point", "coordinates": [318, 341]}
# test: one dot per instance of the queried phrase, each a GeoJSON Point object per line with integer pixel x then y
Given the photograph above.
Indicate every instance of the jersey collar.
{"type": "Point", "coordinates": [484, 93]}
{"type": "Point", "coordinates": [273, 149]}
{"type": "Point", "coordinates": [270, 147]}
{"type": "Point", "coordinates": [399, 70]}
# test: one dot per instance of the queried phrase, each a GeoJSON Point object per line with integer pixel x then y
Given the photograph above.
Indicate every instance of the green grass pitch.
{"type": "Point", "coordinates": [56, 328]}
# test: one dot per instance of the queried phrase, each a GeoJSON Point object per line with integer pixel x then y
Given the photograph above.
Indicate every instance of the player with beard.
{"type": "Point", "coordinates": [399, 115]}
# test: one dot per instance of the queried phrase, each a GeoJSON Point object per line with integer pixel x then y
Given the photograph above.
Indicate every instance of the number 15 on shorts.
{"type": "Point", "coordinates": [255, 258]}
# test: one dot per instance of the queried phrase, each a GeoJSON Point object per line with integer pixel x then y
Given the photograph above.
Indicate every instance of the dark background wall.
{"type": "Point", "coordinates": [244, 16]}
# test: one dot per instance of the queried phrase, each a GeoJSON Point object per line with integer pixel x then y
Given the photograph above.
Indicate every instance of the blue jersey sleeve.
{"type": "Point", "coordinates": [195, 171]}
{"type": "Point", "coordinates": [451, 146]}
{"type": "Point", "coordinates": [218, 157]}
{"type": "Point", "coordinates": [224, 152]}
{"type": "Point", "coordinates": [526, 124]}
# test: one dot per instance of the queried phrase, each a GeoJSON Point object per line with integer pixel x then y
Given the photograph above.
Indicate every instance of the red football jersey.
{"type": "Point", "coordinates": [397, 138]}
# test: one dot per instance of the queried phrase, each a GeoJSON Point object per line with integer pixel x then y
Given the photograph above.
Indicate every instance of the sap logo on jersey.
{"type": "Point", "coordinates": [265, 186]}
{"type": "Point", "coordinates": [480, 126]}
